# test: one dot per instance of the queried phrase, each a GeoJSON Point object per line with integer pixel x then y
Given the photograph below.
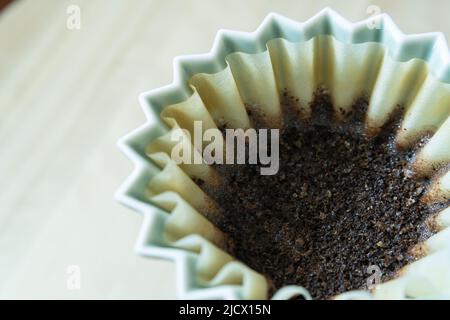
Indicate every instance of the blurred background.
{"type": "Point", "coordinates": [70, 75]}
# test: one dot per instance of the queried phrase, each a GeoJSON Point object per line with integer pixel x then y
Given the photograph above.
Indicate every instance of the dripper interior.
{"type": "Point", "coordinates": [254, 82]}
{"type": "Point", "coordinates": [344, 202]}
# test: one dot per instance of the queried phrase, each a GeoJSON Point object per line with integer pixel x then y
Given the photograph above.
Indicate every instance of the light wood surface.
{"type": "Point", "coordinates": [66, 96]}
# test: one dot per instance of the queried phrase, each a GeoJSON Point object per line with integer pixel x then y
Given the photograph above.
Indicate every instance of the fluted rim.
{"type": "Point", "coordinates": [430, 47]}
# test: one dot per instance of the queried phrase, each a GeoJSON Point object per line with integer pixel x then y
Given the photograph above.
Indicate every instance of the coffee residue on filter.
{"type": "Point", "coordinates": [340, 203]}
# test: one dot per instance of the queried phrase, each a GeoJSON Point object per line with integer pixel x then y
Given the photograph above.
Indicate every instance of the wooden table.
{"type": "Point", "coordinates": [67, 95]}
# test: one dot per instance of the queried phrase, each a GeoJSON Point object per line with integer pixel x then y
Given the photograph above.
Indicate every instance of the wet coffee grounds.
{"type": "Point", "coordinates": [341, 202]}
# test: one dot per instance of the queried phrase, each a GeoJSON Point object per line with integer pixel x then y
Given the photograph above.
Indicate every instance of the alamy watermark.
{"type": "Point", "coordinates": [73, 21]}
{"type": "Point", "coordinates": [73, 280]}
{"type": "Point", "coordinates": [234, 146]}
{"type": "Point", "coordinates": [375, 20]}
{"type": "Point", "coordinates": [375, 276]}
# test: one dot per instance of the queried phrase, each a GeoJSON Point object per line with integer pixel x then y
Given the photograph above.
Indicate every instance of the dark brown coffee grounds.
{"type": "Point", "coordinates": [340, 202]}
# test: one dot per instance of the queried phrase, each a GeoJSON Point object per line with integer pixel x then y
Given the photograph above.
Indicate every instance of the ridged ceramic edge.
{"type": "Point", "coordinates": [430, 47]}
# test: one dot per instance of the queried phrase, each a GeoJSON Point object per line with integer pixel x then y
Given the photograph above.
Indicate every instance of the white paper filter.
{"type": "Point", "coordinates": [351, 60]}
